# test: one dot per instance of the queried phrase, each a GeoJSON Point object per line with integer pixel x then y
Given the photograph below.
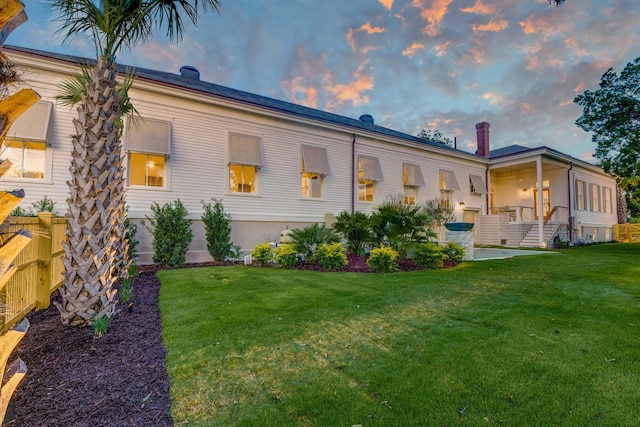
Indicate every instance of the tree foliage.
{"type": "Point", "coordinates": [435, 136]}
{"type": "Point", "coordinates": [612, 114]}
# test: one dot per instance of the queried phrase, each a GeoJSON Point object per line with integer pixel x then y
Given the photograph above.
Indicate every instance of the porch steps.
{"type": "Point", "coordinates": [530, 239]}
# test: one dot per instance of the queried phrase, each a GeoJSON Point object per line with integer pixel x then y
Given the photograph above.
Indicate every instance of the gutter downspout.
{"type": "Point", "coordinates": [486, 196]}
{"type": "Point", "coordinates": [353, 173]}
{"type": "Point", "coordinates": [569, 197]}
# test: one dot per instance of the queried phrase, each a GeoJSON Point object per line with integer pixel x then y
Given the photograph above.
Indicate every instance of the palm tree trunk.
{"type": "Point", "coordinates": [95, 203]}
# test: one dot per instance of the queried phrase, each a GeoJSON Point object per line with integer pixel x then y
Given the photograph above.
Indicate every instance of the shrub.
{"type": "Point", "coordinates": [125, 289]}
{"type": "Point", "coordinates": [355, 229]}
{"type": "Point", "coordinates": [217, 225]}
{"type": "Point", "coordinates": [18, 211]}
{"type": "Point", "coordinates": [171, 230]}
{"type": "Point", "coordinates": [453, 252]}
{"type": "Point", "coordinates": [287, 256]}
{"type": "Point", "coordinates": [399, 225]}
{"type": "Point", "coordinates": [262, 253]}
{"type": "Point", "coordinates": [331, 256]}
{"type": "Point", "coordinates": [44, 205]}
{"type": "Point", "coordinates": [429, 255]}
{"type": "Point", "coordinates": [383, 260]}
{"type": "Point", "coordinates": [307, 239]}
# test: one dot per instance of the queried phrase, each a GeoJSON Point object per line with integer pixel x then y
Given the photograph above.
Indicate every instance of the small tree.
{"type": "Point", "coordinates": [217, 225]}
{"type": "Point", "coordinates": [171, 230]}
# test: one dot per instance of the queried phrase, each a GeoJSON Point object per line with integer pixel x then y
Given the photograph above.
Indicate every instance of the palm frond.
{"type": "Point", "coordinates": [70, 91]}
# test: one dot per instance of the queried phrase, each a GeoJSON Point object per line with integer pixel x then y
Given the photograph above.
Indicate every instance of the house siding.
{"type": "Point", "coordinates": [197, 168]}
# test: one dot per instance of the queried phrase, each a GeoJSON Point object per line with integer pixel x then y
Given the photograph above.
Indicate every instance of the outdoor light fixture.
{"type": "Point", "coordinates": [461, 205]}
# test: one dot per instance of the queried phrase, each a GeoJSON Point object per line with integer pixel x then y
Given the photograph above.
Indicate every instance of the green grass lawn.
{"type": "Point", "coordinates": [546, 340]}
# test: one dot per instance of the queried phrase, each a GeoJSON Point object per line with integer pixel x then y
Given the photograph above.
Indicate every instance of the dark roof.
{"type": "Point", "coordinates": [508, 150]}
{"type": "Point", "coordinates": [218, 91]}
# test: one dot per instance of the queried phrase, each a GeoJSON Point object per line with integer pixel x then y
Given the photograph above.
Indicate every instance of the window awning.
{"type": "Point", "coordinates": [412, 175]}
{"type": "Point", "coordinates": [34, 124]}
{"type": "Point", "coordinates": [149, 136]}
{"type": "Point", "coordinates": [478, 184]}
{"type": "Point", "coordinates": [448, 180]}
{"type": "Point", "coordinates": [315, 160]}
{"type": "Point", "coordinates": [370, 168]}
{"type": "Point", "coordinates": [245, 150]}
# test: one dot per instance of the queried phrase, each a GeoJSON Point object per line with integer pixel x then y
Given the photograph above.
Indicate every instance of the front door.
{"type": "Point", "coordinates": [546, 202]}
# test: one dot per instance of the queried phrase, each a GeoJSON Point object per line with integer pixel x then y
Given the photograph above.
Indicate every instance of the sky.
{"type": "Point", "coordinates": [411, 64]}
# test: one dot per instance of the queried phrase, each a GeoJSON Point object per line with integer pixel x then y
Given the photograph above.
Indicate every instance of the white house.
{"type": "Point", "coordinates": [278, 165]}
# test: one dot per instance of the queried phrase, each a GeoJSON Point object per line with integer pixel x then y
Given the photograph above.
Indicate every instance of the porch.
{"type": "Point", "coordinates": [514, 226]}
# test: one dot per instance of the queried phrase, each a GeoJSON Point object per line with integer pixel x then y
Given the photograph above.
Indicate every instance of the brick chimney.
{"type": "Point", "coordinates": [482, 133]}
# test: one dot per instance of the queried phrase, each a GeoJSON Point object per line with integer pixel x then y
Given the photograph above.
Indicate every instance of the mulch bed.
{"type": "Point", "coordinates": [74, 379]}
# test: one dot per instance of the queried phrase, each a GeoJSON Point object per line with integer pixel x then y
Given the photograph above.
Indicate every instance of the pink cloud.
{"type": "Point", "coordinates": [300, 93]}
{"type": "Point", "coordinates": [388, 4]}
{"type": "Point", "coordinates": [480, 9]}
{"type": "Point", "coordinates": [433, 14]}
{"type": "Point", "coordinates": [491, 26]}
{"type": "Point", "coordinates": [349, 92]}
{"type": "Point", "coordinates": [411, 50]}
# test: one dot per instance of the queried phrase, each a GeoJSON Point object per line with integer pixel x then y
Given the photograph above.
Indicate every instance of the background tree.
{"type": "Point", "coordinates": [96, 214]}
{"type": "Point", "coordinates": [436, 136]}
{"type": "Point", "coordinates": [612, 114]}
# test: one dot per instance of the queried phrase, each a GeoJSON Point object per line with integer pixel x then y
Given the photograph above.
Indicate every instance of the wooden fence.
{"type": "Point", "coordinates": [628, 232]}
{"type": "Point", "coordinates": [39, 267]}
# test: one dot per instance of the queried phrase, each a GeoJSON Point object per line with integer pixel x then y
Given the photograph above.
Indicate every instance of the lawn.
{"type": "Point", "coordinates": [547, 340]}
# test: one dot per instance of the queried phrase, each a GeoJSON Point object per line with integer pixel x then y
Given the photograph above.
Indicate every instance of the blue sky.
{"type": "Point", "coordinates": [411, 64]}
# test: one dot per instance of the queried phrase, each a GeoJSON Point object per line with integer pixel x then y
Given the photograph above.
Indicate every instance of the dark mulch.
{"type": "Point", "coordinates": [120, 379]}
{"type": "Point", "coordinates": [74, 379]}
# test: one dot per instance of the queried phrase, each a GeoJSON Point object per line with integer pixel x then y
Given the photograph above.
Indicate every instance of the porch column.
{"type": "Point", "coordinates": [539, 202]}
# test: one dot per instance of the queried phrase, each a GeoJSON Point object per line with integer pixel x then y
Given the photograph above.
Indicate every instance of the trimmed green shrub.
{"type": "Point", "coordinates": [453, 252]}
{"type": "Point", "coordinates": [429, 255]}
{"type": "Point", "coordinates": [44, 205]}
{"type": "Point", "coordinates": [262, 253]}
{"type": "Point", "coordinates": [355, 229]}
{"type": "Point", "coordinates": [171, 230]}
{"type": "Point", "coordinates": [217, 225]}
{"type": "Point", "coordinates": [286, 255]}
{"type": "Point", "coordinates": [307, 239]}
{"type": "Point", "coordinates": [331, 256]}
{"type": "Point", "coordinates": [383, 260]}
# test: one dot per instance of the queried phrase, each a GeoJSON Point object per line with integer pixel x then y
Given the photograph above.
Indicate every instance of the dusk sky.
{"type": "Point", "coordinates": [433, 64]}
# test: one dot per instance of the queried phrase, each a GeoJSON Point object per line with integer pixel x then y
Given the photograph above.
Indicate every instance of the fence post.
{"type": "Point", "coordinates": [43, 293]}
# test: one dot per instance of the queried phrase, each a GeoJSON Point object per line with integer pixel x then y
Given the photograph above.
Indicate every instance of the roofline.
{"type": "Point", "coordinates": [172, 80]}
{"type": "Point", "coordinates": [549, 152]}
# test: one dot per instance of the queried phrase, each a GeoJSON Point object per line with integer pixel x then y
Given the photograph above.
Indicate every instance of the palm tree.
{"type": "Point", "coordinates": [95, 214]}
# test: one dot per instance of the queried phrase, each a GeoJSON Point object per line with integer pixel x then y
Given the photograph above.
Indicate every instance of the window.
{"type": "Point", "coordinates": [607, 200]}
{"type": "Point", "coordinates": [245, 159]}
{"type": "Point", "coordinates": [595, 198]}
{"type": "Point", "coordinates": [146, 170]}
{"type": "Point", "coordinates": [27, 158]}
{"type": "Point", "coordinates": [315, 165]}
{"type": "Point", "coordinates": [413, 179]}
{"type": "Point", "coordinates": [581, 192]}
{"type": "Point", "coordinates": [477, 185]}
{"type": "Point", "coordinates": [369, 173]}
{"type": "Point", "coordinates": [148, 144]}
{"type": "Point", "coordinates": [26, 142]}
{"type": "Point", "coordinates": [448, 181]}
